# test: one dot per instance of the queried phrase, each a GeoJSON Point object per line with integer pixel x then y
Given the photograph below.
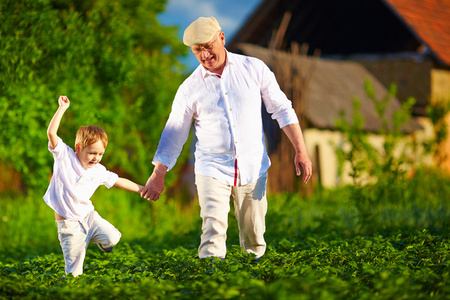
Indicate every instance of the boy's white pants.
{"type": "Point", "coordinates": [250, 204]}
{"type": "Point", "coordinates": [74, 237]}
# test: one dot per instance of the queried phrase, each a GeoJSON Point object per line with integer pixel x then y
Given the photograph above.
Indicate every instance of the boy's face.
{"type": "Point", "coordinates": [90, 155]}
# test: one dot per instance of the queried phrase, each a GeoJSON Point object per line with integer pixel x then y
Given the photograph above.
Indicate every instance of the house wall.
{"type": "Point", "coordinates": [324, 141]}
{"type": "Point", "coordinates": [440, 91]}
{"type": "Point", "coordinates": [327, 141]}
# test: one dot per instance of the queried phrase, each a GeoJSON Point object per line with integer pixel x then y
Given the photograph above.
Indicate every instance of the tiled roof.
{"type": "Point", "coordinates": [430, 21]}
{"type": "Point", "coordinates": [332, 86]}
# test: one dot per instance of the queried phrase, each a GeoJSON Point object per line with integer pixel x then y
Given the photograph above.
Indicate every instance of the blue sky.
{"type": "Point", "coordinates": [231, 15]}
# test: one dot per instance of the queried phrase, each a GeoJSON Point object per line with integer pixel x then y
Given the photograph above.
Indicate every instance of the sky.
{"type": "Point", "coordinates": [231, 15]}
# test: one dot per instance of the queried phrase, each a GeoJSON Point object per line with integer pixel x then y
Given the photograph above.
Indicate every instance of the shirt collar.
{"type": "Point", "coordinates": [206, 73]}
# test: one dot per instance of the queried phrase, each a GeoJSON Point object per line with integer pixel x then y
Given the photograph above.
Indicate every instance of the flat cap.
{"type": "Point", "coordinates": [200, 31]}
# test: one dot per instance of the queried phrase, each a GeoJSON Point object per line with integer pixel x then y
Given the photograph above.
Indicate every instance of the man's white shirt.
{"type": "Point", "coordinates": [226, 111]}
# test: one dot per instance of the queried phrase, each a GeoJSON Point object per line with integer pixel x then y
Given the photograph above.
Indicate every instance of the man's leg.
{"type": "Point", "coordinates": [214, 198]}
{"type": "Point", "coordinates": [250, 210]}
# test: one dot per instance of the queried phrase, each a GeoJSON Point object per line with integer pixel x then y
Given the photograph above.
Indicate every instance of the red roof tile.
{"type": "Point", "coordinates": [430, 20]}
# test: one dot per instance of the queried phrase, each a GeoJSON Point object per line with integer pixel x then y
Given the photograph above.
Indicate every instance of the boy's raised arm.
{"type": "Point", "coordinates": [52, 129]}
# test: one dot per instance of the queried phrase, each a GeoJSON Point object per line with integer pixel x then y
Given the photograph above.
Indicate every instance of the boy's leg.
{"type": "Point", "coordinates": [250, 210]}
{"type": "Point", "coordinates": [73, 240]}
{"type": "Point", "coordinates": [214, 199]}
{"type": "Point", "coordinates": [102, 232]}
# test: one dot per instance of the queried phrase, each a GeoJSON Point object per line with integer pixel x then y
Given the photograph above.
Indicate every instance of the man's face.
{"type": "Point", "coordinates": [91, 155]}
{"type": "Point", "coordinates": [211, 55]}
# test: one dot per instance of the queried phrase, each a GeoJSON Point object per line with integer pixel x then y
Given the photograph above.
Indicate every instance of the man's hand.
{"type": "Point", "coordinates": [302, 162]}
{"type": "Point", "coordinates": [155, 183]}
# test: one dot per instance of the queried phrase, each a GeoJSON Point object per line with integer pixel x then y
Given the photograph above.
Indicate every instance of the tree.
{"type": "Point", "coordinates": [115, 62]}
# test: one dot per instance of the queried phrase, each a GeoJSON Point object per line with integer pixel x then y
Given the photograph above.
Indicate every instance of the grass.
{"type": "Point", "coordinates": [319, 247]}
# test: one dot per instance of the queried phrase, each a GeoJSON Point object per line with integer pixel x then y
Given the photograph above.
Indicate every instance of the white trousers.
{"type": "Point", "coordinates": [250, 205]}
{"type": "Point", "coordinates": [74, 237]}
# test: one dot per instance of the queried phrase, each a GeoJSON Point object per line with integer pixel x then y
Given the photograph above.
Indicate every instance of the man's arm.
{"type": "Point", "coordinates": [52, 130]}
{"type": "Point", "coordinates": [279, 106]}
{"type": "Point", "coordinates": [155, 183]}
{"type": "Point", "coordinates": [128, 185]}
{"type": "Point", "coordinates": [301, 160]}
{"type": "Point", "coordinates": [173, 137]}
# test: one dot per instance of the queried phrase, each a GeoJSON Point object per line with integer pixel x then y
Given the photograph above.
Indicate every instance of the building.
{"type": "Point", "coordinates": [402, 41]}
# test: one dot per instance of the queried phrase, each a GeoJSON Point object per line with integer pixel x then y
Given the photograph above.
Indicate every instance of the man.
{"type": "Point", "coordinates": [223, 97]}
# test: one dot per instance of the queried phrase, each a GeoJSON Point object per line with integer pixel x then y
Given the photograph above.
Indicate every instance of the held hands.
{"type": "Point", "coordinates": [64, 102]}
{"type": "Point", "coordinates": [155, 183]}
{"type": "Point", "coordinates": [153, 188]}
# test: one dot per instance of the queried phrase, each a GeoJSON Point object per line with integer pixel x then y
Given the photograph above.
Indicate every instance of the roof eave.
{"type": "Point", "coordinates": [437, 58]}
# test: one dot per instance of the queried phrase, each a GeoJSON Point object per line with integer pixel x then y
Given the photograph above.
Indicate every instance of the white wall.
{"type": "Point", "coordinates": [328, 140]}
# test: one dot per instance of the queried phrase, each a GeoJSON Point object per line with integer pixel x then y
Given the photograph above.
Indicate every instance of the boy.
{"type": "Point", "coordinates": [76, 176]}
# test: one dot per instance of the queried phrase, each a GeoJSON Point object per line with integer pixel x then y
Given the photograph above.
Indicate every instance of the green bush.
{"type": "Point", "coordinates": [379, 175]}
{"type": "Point", "coordinates": [114, 61]}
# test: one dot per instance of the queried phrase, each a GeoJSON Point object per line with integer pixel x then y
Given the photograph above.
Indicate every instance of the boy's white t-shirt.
{"type": "Point", "coordinates": [72, 186]}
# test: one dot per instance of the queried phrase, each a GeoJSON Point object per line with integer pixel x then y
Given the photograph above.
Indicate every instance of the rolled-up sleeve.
{"type": "Point", "coordinates": [175, 133]}
{"type": "Point", "coordinates": [274, 98]}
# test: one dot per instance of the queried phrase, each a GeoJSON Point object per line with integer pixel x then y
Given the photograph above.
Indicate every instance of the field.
{"type": "Point", "coordinates": [329, 245]}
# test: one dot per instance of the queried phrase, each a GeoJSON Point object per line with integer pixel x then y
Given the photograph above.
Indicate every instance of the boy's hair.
{"type": "Point", "coordinates": [88, 135]}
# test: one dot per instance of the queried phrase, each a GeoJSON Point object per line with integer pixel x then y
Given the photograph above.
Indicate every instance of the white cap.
{"type": "Point", "coordinates": [201, 31]}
